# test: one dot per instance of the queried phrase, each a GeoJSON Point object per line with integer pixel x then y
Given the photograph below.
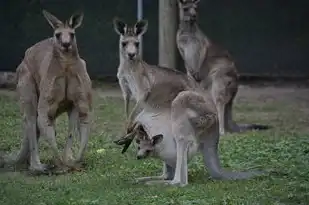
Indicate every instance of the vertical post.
{"type": "Point", "coordinates": [167, 33]}
{"type": "Point", "coordinates": [139, 17]}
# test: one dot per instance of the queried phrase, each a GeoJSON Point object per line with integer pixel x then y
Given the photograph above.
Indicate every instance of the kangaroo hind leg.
{"type": "Point", "coordinates": [28, 100]}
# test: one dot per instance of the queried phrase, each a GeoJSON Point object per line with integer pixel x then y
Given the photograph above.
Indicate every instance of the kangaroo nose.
{"type": "Point", "coordinates": [139, 157]}
{"type": "Point", "coordinates": [131, 55]}
{"type": "Point", "coordinates": [66, 45]}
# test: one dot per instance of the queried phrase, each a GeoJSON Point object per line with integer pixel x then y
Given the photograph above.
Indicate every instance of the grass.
{"type": "Point", "coordinates": [109, 175]}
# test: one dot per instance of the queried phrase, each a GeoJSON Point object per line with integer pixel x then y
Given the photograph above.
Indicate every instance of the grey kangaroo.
{"type": "Point", "coordinates": [53, 79]}
{"type": "Point", "coordinates": [210, 65]}
{"type": "Point", "coordinates": [176, 109]}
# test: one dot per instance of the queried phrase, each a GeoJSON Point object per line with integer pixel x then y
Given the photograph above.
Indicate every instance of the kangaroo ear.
{"type": "Point", "coordinates": [140, 27]}
{"type": "Point", "coordinates": [76, 20]}
{"type": "Point", "coordinates": [157, 139]}
{"type": "Point", "coordinates": [52, 20]}
{"type": "Point", "coordinates": [196, 1]}
{"type": "Point", "coordinates": [119, 26]}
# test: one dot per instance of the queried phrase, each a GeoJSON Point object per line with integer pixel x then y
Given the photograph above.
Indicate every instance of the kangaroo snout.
{"type": "Point", "coordinates": [131, 56]}
{"type": "Point", "coordinates": [193, 17]}
{"type": "Point", "coordinates": [66, 44]}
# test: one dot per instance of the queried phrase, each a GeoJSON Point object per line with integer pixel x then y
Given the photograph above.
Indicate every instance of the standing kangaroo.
{"type": "Point", "coordinates": [210, 65]}
{"type": "Point", "coordinates": [53, 79]}
{"type": "Point", "coordinates": [174, 106]}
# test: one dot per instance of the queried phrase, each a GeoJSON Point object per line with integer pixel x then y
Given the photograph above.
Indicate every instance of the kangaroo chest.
{"type": "Point", "coordinates": [190, 44]}
{"type": "Point", "coordinates": [133, 85]}
{"type": "Point", "coordinates": [137, 83]}
{"type": "Point", "coordinates": [64, 90]}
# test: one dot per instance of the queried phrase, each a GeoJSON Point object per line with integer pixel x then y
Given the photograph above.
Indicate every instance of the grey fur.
{"type": "Point", "coordinates": [175, 106]}
{"type": "Point", "coordinates": [210, 65]}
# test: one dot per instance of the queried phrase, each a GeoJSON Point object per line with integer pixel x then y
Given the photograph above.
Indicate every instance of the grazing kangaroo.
{"type": "Point", "coordinates": [210, 65]}
{"type": "Point", "coordinates": [146, 148]}
{"type": "Point", "coordinates": [53, 79]}
{"type": "Point", "coordinates": [174, 106]}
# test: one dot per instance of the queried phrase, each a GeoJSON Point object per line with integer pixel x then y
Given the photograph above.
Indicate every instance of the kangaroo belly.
{"type": "Point", "coordinates": [63, 92]}
{"type": "Point", "coordinates": [168, 151]}
{"type": "Point", "coordinates": [160, 123]}
{"type": "Point", "coordinates": [54, 94]}
{"type": "Point", "coordinates": [156, 123]}
{"type": "Point", "coordinates": [75, 89]}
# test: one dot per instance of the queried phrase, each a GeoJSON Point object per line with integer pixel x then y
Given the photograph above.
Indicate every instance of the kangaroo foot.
{"type": "Point", "coordinates": [77, 166]}
{"type": "Point", "coordinates": [156, 182]}
{"type": "Point", "coordinates": [40, 169]}
{"type": "Point", "coordinates": [166, 182]}
{"type": "Point", "coordinates": [151, 178]}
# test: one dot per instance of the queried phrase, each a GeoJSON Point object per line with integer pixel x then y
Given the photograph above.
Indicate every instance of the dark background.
{"type": "Point", "coordinates": [266, 37]}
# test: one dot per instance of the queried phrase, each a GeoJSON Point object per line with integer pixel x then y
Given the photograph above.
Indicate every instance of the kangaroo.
{"type": "Point", "coordinates": [179, 109]}
{"type": "Point", "coordinates": [210, 65]}
{"type": "Point", "coordinates": [146, 148]}
{"type": "Point", "coordinates": [53, 79]}
{"type": "Point", "coordinates": [149, 147]}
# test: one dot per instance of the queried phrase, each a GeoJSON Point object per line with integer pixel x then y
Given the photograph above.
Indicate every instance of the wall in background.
{"type": "Point", "coordinates": [266, 37]}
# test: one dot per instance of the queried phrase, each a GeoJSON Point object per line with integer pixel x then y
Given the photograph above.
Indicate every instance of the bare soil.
{"type": "Point", "coordinates": [266, 94]}
{"type": "Point", "coordinates": [283, 94]}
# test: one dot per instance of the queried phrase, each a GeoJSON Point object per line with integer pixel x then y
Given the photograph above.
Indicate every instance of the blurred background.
{"type": "Point", "coordinates": [266, 37]}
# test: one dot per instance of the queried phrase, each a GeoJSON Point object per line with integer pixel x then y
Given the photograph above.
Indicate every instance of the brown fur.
{"type": "Point", "coordinates": [53, 79]}
{"type": "Point", "coordinates": [210, 65]}
{"type": "Point", "coordinates": [175, 106]}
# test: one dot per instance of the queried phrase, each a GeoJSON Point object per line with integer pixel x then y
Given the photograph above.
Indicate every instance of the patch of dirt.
{"type": "Point", "coordinates": [8, 92]}
{"type": "Point", "coordinates": [273, 94]}
{"type": "Point", "coordinates": [292, 95]}
{"type": "Point", "coordinates": [110, 92]}
{"type": "Point", "coordinates": [260, 94]}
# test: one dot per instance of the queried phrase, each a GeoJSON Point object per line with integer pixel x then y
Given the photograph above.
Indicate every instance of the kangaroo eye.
{"type": "Point", "coordinates": [136, 44]}
{"type": "Point", "coordinates": [186, 9]}
{"type": "Point", "coordinates": [138, 148]}
{"type": "Point", "coordinates": [72, 35]}
{"type": "Point", "coordinates": [124, 44]}
{"type": "Point", "coordinates": [57, 35]}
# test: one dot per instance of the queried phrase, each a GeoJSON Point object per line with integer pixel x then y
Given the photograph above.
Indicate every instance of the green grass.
{"type": "Point", "coordinates": [109, 175]}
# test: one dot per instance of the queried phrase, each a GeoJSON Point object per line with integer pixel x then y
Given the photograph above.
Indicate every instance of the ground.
{"type": "Point", "coordinates": [109, 175]}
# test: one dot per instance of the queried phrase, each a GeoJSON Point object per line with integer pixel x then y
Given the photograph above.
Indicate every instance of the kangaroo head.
{"type": "Point", "coordinates": [146, 145]}
{"type": "Point", "coordinates": [188, 10]}
{"type": "Point", "coordinates": [129, 37]}
{"type": "Point", "coordinates": [64, 33]}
